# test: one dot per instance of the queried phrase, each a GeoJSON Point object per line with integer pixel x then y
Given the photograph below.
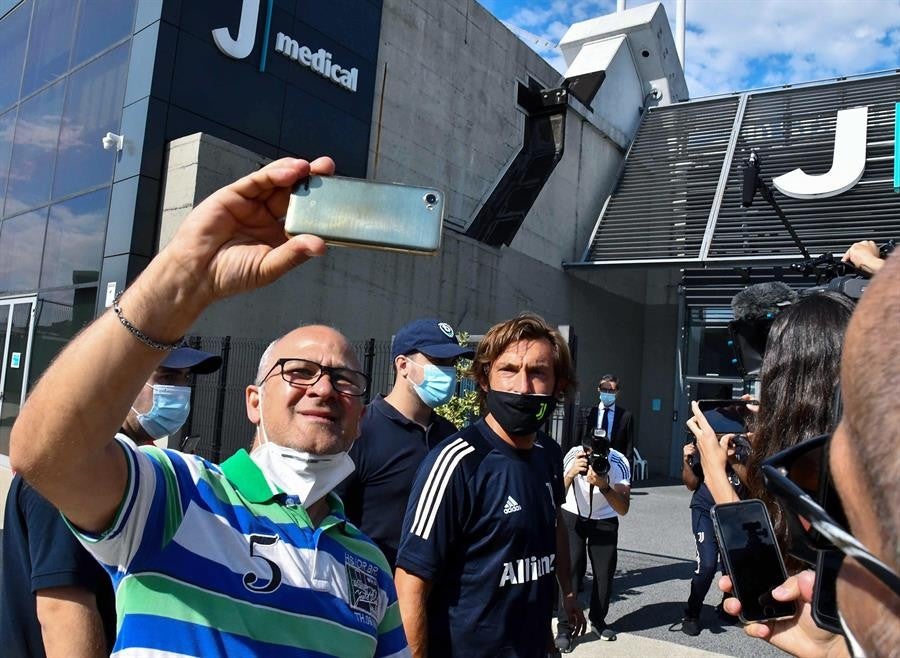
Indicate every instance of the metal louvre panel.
{"type": "Point", "coordinates": [796, 127]}
{"type": "Point", "coordinates": [662, 202]}
{"type": "Point", "coordinates": [714, 287]}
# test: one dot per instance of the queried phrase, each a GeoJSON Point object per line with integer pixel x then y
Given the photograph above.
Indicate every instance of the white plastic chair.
{"type": "Point", "coordinates": [640, 466]}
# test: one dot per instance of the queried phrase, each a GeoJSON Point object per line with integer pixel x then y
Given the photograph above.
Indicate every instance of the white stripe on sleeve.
{"type": "Point", "coordinates": [436, 485]}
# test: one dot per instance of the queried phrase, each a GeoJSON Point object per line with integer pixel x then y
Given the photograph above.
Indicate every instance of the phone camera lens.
{"type": "Point", "coordinates": [431, 198]}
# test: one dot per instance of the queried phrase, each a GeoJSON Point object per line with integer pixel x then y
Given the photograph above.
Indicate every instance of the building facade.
{"type": "Point", "coordinates": [194, 93]}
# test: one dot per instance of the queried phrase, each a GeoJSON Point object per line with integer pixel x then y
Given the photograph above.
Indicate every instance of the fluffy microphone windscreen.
{"type": "Point", "coordinates": [761, 300]}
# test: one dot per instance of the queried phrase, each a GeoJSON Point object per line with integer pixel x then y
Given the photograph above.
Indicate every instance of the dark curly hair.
{"type": "Point", "coordinates": [798, 380]}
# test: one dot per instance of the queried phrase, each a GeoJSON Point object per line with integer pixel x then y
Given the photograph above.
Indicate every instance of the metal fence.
{"type": "Point", "coordinates": [218, 414]}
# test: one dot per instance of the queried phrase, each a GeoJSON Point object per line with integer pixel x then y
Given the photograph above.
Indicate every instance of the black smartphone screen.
{"type": "Point", "coordinates": [726, 416]}
{"type": "Point", "coordinates": [748, 546]}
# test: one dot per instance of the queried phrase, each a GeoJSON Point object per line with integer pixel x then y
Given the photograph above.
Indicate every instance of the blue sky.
{"type": "Point", "coordinates": [733, 45]}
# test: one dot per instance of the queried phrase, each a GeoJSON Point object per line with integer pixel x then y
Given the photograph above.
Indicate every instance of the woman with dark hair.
{"type": "Point", "coordinates": [798, 380]}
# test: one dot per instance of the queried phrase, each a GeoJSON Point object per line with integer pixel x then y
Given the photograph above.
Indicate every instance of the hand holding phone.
{"type": "Point", "coordinates": [797, 635]}
{"type": "Point", "coordinates": [752, 558]}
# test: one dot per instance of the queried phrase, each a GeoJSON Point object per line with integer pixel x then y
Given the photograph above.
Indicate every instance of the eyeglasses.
{"type": "Point", "coordinates": [794, 476]}
{"type": "Point", "coordinates": [604, 389]}
{"type": "Point", "coordinates": [301, 372]}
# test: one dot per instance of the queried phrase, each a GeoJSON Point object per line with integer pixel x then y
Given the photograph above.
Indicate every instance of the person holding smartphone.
{"type": "Point", "coordinates": [862, 462]}
{"type": "Point", "coordinates": [704, 535]}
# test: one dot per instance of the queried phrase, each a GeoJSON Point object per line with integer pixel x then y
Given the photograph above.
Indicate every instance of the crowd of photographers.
{"type": "Point", "coordinates": [256, 556]}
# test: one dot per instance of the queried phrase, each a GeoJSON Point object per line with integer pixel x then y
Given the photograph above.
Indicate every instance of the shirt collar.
{"type": "Point", "coordinates": [247, 478]}
{"type": "Point", "coordinates": [251, 482]}
{"type": "Point", "coordinates": [390, 412]}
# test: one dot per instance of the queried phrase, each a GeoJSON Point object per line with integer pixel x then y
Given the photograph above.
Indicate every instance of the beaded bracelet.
{"type": "Point", "coordinates": [140, 335]}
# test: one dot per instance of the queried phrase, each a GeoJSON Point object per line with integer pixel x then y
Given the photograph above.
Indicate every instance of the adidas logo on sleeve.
{"type": "Point", "coordinates": [511, 506]}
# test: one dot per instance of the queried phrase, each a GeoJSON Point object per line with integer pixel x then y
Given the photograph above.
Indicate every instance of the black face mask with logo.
{"type": "Point", "coordinates": [517, 413]}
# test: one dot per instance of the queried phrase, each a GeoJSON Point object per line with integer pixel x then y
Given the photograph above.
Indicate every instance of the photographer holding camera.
{"type": "Point", "coordinates": [597, 479]}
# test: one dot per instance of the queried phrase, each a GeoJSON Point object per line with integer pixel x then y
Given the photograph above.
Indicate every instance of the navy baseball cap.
{"type": "Point", "coordinates": [198, 361]}
{"type": "Point", "coordinates": [432, 338]}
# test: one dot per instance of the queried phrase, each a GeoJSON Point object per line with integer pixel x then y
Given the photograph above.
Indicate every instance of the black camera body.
{"type": "Point", "coordinates": [741, 446]}
{"type": "Point", "coordinates": [599, 445]}
{"type": "Point", "coordinates": [739, 443]}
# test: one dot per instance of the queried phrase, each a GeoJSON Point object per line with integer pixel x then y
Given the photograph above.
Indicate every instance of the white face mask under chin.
{"type": "Point", "coordinates": [853, 644]}
{"type": "Point", "coordinates": [302, 474]}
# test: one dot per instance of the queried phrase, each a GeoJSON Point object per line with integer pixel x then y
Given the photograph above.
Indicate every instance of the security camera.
{"type": "Point", "coordinates": [113, 142]}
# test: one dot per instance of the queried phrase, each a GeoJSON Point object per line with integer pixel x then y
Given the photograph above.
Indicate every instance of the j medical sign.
{"type": "Point", "coordinates": [316, 59]}
{"type": "Point", "coordinates": [848, 162]}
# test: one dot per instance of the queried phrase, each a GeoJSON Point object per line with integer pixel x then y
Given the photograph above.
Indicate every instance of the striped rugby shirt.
{"type": "Point", "coordinates": [481, 526]}
{"type": "Point", "coordinates": [214, 561]}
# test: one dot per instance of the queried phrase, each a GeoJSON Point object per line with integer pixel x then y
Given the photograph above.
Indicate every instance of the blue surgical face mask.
{"type": "Point", "coordinates": [171, 406]}
{"type": "Point", "coordinates": [608, 399]}
{"type": "Point", "coordinates": [438, 384]}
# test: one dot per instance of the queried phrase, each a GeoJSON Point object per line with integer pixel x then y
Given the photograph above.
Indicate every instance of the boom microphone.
{"type": "Point", "coordinates": [762, 300]}
{"type": "Point", "coordinates": [751, 176]}
{"type": "Point", "coordinates": [754, 308]}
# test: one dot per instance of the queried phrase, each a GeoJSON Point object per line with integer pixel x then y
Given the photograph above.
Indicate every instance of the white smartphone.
{"type": "Point", "coordinates": [361, 213]}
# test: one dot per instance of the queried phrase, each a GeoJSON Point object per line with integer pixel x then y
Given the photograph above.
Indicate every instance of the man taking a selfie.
{"type": "Point", "coordinates": [250, 557]}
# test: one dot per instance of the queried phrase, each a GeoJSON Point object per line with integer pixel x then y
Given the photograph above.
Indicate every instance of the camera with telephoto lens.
{"type": "Point", "coordinates": [598, 444]}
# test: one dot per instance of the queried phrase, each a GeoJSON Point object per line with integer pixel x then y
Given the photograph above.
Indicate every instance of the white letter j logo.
{"type": "Point", "coordinates": [242, 46]}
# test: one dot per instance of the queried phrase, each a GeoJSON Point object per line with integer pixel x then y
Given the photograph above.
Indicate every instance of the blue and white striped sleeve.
{"type": "Point", "coordinates": [148, 511]}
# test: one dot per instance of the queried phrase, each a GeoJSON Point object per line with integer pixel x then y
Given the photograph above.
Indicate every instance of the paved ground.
{"type": "Point", "coordinates": [656, 559]}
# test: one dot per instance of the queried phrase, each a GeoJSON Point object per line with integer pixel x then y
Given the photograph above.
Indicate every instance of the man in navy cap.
{"type": "Point", "coordinates": [56, 598]}
{"type": "Point", "coordinates": [163, 404]}
{"type": "Point", "coordinates": [400, 428]}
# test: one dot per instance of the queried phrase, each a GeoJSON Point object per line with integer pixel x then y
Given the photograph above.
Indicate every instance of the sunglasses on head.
{"type": "Point", "coordinates": [800, 479]}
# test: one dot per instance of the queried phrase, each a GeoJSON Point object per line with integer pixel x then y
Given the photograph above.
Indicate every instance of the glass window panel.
{"type": "Point", "coordinates": [59, 315]}
{"type": "Point", "coordinates": [7, 124]}
{"type": "Point", "coordinates": [101, 24]}
{"type": "Point", "coordinates": [13, 36]}
{"type": "Point", "coordinates": [34, 150]}
{"type": "Point", "coordinates": [21, 243]}
{"type": "Point", "coordinates": [15, 359]}
{"type": "Point", "coordinates": [49, 43]}
{"type": "Point", "coordinates": [73, 250]}
{"type": "Point", "coordinates": [93, 107]}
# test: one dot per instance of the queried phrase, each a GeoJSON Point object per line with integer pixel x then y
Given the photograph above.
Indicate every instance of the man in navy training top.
{"type": "Point", "coordinates": [56, 598]}
{"type": "Point", "coordinates": [400, 428]}
{"type": "Point", "coordinates": [482, 537]}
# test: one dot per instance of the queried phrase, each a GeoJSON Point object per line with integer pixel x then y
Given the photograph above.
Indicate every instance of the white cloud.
{"type": "Point", "coordinates": [733, 45]}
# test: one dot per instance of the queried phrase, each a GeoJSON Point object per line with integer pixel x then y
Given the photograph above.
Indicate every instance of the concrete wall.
{"type": "Point", "coordinates": [370, 293]}
{"type": "Point", "coordinates": [448, 117]}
